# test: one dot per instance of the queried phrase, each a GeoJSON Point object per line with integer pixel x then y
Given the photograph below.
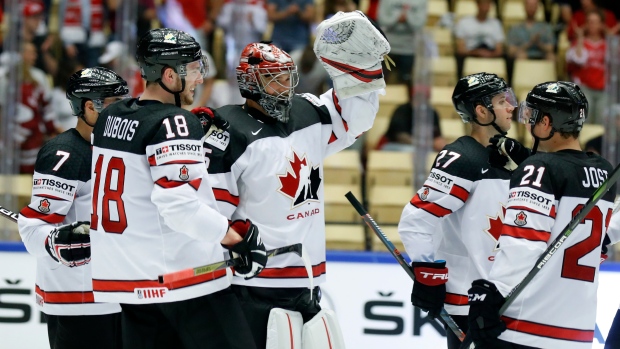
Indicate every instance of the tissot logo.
{"type": "Point", "coordinates": [301, 181]}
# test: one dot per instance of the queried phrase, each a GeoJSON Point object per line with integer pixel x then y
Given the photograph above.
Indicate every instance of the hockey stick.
{"type": "Point", "coordinates": [559, 240]}
{"type": "Point", "coordinates": [209, 268]}
{"type": "Point", "coordinates": [399, 258]}
{"type": "Point", "coordinates": [8, 214]}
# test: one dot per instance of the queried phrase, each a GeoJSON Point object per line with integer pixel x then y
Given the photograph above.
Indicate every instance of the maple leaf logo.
{"type": "Point", "coordinates": [184, 173]}
{"type": "Point", "coordinates": [521, 219]}
{"type": "Point", "coordinates": [495, 226]}
{"type": "Point", "coordinates": [301, 181]}
{"type": "Point", "coordinates": [44, 206]}
{"type": "Point", "coordinates": [424, 194]}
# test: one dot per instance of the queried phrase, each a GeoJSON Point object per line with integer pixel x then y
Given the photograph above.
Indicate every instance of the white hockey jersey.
{"type": "Point", "coordinates": [153, 209]}
{"type": "Point", "coordinates": [272, 173]}
{"type": "Point", "coordinates": [557, 309]}
{"type": "Point", "coordinates": [60, 195]}
{"type": "Point", "coordinates": [457, 216]}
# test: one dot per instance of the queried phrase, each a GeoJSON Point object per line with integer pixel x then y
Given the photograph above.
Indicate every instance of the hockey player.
{"type": "Point", "coordinates": [61, 194]}
{"type": "Point", "coordinates": [454, 220]}
{"type": "Point", "coordinates": [268, 167]}
{"type": "Point", "coordinates": [153, 210]}
{"type": "Point", "coordinates": [557, 309]}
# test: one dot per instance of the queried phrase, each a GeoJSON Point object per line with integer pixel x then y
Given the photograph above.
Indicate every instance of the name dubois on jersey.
{"type": "Point", "coordinates": [531, 198]}
{"type": "Point", "coordinates": [440, 181]}
{"type": "Point", "coordinates": [44, 184]}
{"type": "Point", "coordinates": [120, 128]}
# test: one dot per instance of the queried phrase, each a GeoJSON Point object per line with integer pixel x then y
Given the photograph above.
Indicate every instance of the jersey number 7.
{"type": "Point", "coordinates": [112, 192]}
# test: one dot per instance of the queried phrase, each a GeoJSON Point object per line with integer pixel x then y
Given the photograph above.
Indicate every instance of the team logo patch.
{"type": "Point", "coordinates": [150, 293]}
{"type": "Point", "coordinates": [184, 173]}
{"type": "Point", "coordinates": [521, 219]}
{"type": "Point", "coordinates": [553, 88]}
{"type": "Point", "coordinates": [473, 81]}
{"type": "Point", "coordinates": [424, 194]}
{"type": "Point", "coordinates": [44, 206]}
{"type": "Point", "coordinates": [170, 38]}
{"type": "Point", "coordinates": [301, 181]}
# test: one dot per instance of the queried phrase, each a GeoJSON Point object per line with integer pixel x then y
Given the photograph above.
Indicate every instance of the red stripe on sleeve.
{"type": "Point", "coordinates": [526, 233]}
{"type": "Point", "coordinates": [549, 331]}
{"type": "Point", "coordinates": [50, 197]}
{"type": "Point", "coordinates": [130, 285]}
{"type": "Point", "coordinates": [455, 299]}
{"type": "Point", "coordinates": [332, 138]}
{"type": "Point", "coordinates": [291, 272]}
{"type": "Point", "coordinates": [339, 110]}
{"type": "Point", "coordinates": [65, 297]}
{"type": "Point", "coordinates": [166, 183]}
{"type": "Point", "coordinates": [53, 218]}
{"type": "Point", "coordinates": [226, 196]}
{"type": "Point", "coordinates": [459, 193]}
{"type": "Point", "coordinates": [430, 207]}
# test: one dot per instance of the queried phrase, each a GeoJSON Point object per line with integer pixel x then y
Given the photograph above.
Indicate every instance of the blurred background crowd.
{"type": "Point", "coordinates": [434, 42]}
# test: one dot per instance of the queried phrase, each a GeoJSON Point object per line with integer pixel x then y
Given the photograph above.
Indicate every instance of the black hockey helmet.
{"type": "Point", "coordinates": [562, 101]}
{"type": "Point", "coordinates": [479, 89]}
{"type": "Point", "coordinates": [94, 84]}
{"type": "Point", "coordinates": [165, 47]}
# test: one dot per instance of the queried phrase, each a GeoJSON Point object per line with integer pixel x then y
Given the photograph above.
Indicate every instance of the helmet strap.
{"type": "Point", "coordinates": [538, 139]}
{"type": "Point", "coordinates": [492, 123]}
{"type": "Point", "coordinates": [176, 94]}
{"type": "Point", "coordinates": [83, 117]}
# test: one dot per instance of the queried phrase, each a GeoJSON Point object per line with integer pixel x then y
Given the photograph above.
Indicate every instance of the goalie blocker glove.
{"type": "Point", "coordinates": [70, 244]}
{"type": "Point", "coordinates": [209, 117]}
{"type": "Point", "coordinates": [429, 287]}
{"type": "Point", "coordinates": [506, 152]}
{"type": "Point", "coordinates": [251, 250]}
{"type": "Point", "coordinates": [484, 319]}
{"type": "Point", "coordinates": [351, 49]}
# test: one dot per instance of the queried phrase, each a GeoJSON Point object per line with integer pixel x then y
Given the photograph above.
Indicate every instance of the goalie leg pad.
{"type": "Point", "coordinates": [284, 329]}
{"type": "Point", "coordinates": [351, 50]}
{"type": "Point", "coordinates": [323, 331]}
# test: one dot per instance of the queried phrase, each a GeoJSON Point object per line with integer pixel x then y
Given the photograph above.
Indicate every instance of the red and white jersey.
{"type": "Point", "coordinates": [272, 173]}
{"type": "Point", "coordinates": [153, 209]}
{"type": "Point", "coordinates": [60, 195]}
{"type": "Point", "coordinates": [557, 309]}
{"type": "Point", "coordinates": [613, 231]}
{"type": "Point", "coordinates": [457, 216]}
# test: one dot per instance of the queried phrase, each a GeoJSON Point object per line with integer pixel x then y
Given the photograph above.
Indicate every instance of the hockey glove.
{"type": "Point", "coordinates": [429, 286]}
{"type": "Point", "coordinates": [507, 152]}
{"type": "Point", "coordinates": [70, 244]}
{"type": "Point", "coordinates": [251, 250]}
{"type": "Point", "coordinates": [351, 49]}
{"type": "Point", "coordinates": [483, 320]}
{"type": "Point", "coordinates": [209, 117]}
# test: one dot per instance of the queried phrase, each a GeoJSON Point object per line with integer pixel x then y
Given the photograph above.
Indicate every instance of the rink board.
{"type": "Point", "coordinates": [368, 290]}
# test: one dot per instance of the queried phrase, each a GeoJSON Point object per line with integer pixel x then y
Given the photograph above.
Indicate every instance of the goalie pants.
{"type": "Point", "coordinates": [85, 331]}
{"type": "Point", "coordinates": [214, 321]}
{"type": "Point", "coordinates": [257, 302]}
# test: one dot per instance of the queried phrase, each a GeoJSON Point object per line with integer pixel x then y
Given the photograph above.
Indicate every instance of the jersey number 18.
{"type": "Point", "coordinates": [112, 192]}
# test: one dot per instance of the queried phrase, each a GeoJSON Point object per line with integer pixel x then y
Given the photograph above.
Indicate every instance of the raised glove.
{"type": "Point", "coordinates": [251, 250]}
{"type": "Point", "coordinates": [429, 287]}
{"type": "Point", "coordinates": [209, 117]}
{"type": "Point", "coordinates": [70, 244]}
{"type": "Point", "coordinates": [507, 152]}
{"type": "Point", "coordinates": [484, 322]}
{"type": "Point", "coordinates": [351, 49]}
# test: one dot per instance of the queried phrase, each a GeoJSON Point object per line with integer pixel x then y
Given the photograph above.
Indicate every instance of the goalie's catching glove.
{"type": "Point", "coordinates": [351, 49]}
{"type": "Point", "coordinates": [251, 249]}
{"type": "Point", "coordinates": [209, 117]}
{"type": "Point", "coordinates": [429, 286]}
{"type": "Point", "coordinates": [70, 244]}
{"type": "Point", "coordinates": [506, 152]}
{"type": "Point", "coordinates": [484, 322]}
